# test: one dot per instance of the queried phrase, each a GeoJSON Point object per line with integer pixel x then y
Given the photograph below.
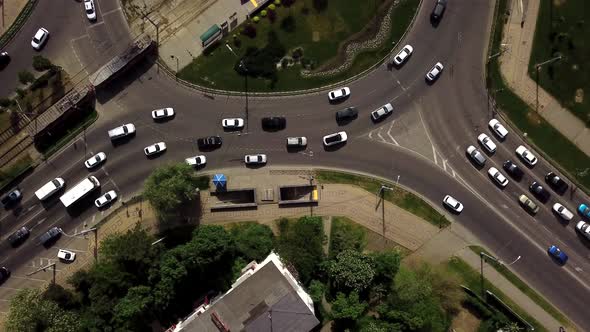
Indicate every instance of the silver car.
{"type": "Point", "coordinates": [95, 160]}
{"type": "Point", "coordinates": [255, 159]}
{"type": "Point", "coordinates": [382, 112]}
{"type": "Point", "coordinates": [452, 203]}
{"type": "Point", "coordinates": [434, 72]}
{"type": "Point", "coordinates": [475, 155]}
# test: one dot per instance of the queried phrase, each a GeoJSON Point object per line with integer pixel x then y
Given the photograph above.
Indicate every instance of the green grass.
{"type": "Point", "coordinates": [10, 173]}
{"type": "Point", "coordinates": [539, 132]}
{"type": "Point", "coordinates": [70, 134]}
{"type": "Point", "coordinates": [563, 29]}
{"type": "Point", "coordinates": [471, 279]}
{"type": "Point", "coordinates": [340, 20]}
{"type": "Point", "coordinates": [346, 234]}
{"type": "Point", "coordinates": [402, 198]}
{"type": "Point", "coordinates": [503, 270]}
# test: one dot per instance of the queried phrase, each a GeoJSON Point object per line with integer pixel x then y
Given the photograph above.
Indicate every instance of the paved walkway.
{"type": "Point", "coordinates": [514, 65]}
{"type": "Point", "coordinates": [423, 239]}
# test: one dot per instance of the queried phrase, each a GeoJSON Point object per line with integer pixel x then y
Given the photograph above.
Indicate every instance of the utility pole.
{"type": "Point", "coordinates": [538, 69]}
{"type": "Point", "coordinates": [173, 57]}
{"type": "Point", "coordinates": [245, 69]}
{"type": "Point", "coordinates": [44, 268]}
{"type": "Point", "coordinates": [500, 262]}
{"type": "Point", "coordinates": [382, 199]}
{"type": "Point", "coordinates": [95, 230]}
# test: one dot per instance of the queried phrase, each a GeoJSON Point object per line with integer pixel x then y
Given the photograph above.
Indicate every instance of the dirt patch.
{"type": "Point", "coordinates": [579, 96]}
{"type": "Point", "coordinates": [465, 321]}
{"type": "Point", "coordinates": [534, 118]}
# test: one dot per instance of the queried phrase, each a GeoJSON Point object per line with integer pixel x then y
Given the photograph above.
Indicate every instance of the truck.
{"type": "Point", "coordinates": [122, 131]}
{"type": "Point", "coordinates": [79, 191]}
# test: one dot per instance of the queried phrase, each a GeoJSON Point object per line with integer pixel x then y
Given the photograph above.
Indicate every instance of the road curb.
{"type": "Point", "coordinates": [18, 23]}
{"type": "Point", "coordinates": [216, 92]}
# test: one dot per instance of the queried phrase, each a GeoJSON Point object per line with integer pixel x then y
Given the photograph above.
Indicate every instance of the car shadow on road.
{"type": "Point", "coordinates": [122, 140]}
{"type": "Point", "coordinates": [334, 147]}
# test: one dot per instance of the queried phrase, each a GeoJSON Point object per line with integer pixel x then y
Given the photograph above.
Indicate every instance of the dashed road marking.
{"type": "Point", "coordinates": [389, 133]}
{"type": "Point", "coordinates": [434, 154]}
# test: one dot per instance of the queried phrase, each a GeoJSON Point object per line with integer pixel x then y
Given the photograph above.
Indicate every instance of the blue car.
{"type": "Point", "coordinates": [556, 253]}
{"type": "Point", "coordinates": [584, 210]}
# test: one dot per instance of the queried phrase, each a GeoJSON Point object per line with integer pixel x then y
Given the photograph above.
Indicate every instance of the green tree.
{"type": "Point", "coordinates": [348, 307]}
{"type": "Point", "coordinates": [30, 312]}
{"type": "Point", "coordinates": [351, 270]}
{"type": "Point", "coordinates": [25, 76]}
{"type": "Point", "coordinates": [41, 63]}
{"type": "Point", "coordinates": [133, 312]}
{"type": "Point", "coordinates": [317, 290]}
{"type": "Point", "coordinates": [169, 188]}
{"type": "Point", "coordinates": [253, 241]}
{"type": "Point", "coordinates": [386, 265]}
{"type": "Point", "coordinates": [64, 298]}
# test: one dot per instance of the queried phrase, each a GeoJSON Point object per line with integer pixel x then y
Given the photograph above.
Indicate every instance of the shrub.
{"type": "Point", "coordinates": [20, 92]}
{"type": "Point", "coordinates": [272, 6]}
{"type": "Point", "coordinates": [256, 19]}
{"type": "Point", "coordinates": [25, 76]}
{"type": "Point", "coordinates": [320, 5]}
{"type": "Point", "coordinates": [5, 102]}
{"type": "Point", "coordinates": [41, 63]}
{"type": "Point", "coordinates": [250, 31]}
{"type": "Point", "coordinates": [263, 13]}
{"type": "Point", "coordinates": [288, 24]}
{"type": "Point", "coordinates": [277, 2]}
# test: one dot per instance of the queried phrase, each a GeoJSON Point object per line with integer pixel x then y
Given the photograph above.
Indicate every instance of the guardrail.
{"type": "Point", "coordinates": [18, 23]}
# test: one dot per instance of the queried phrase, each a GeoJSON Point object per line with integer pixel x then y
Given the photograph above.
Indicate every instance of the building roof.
{"type": "Point", "coordinates": [266, 298]}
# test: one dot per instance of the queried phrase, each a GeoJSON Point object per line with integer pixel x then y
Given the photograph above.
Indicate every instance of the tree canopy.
{"type": "Point", "coordinates": [351, 271]}
{"type": "Point", "coordinates": [253, 241]}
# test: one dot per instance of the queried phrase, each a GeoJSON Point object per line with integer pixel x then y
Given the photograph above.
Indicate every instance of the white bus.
{"type": "Point", "coordinates": [80, 190]}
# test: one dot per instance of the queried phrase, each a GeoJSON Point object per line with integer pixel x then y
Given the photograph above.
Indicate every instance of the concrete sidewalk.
{"type": "Point", "coordinates": [518, 40]}
{"type": "Point", "coordinates": [9, 10]}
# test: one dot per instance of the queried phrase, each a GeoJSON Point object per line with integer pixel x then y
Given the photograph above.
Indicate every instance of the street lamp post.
{"type": "Point", "coordinates": [481, 257]}
{"type": "Point", "coordinates": [95, 230]}
{"type": "Point", "coordinates": [173, 57]}
{"type": "Point", "coordinates": [382, 195]}
{"type": "Point", "coordinates": [245, 69]}
{"type": "Point", "coordinates": [537, 70]}
{"type": "Point", "coordinates": [44, 268]}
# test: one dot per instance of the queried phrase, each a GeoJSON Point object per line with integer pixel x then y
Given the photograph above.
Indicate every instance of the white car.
{"type": "Point", "coordinates": [105, 199]}
{"type": "Point", "coordinates": [381, 112]}
{"type": "Point", "coordinates": [452, 203]}
{"type": "Point", "coordinates": [232, 123]}
{"type": "Point", "coordinates": [339, 94]}
{"type": "Point", "coordinates": [162, 113]}
{"type": "Point", "coordinates": [487, 143]}
{"type": "Point", "coordinates": [255, 159]}
{"type": "Point", "coordinates": [526, 155]}
{"type": "Point", "coordinates": [39, 38]}
{"type": "Point", "coordinates": [564, 213]}
{"type": "Point", "coordinates": [196, 160]}
{"type": "Point", "coordinates": [498, 128]}
{"type": "Point", "coordinates": [89, 9]}
{"type": "Point", "coordinates": [66, 255]}
{"type": "Point", "coordinates": [336, 138]}
{"type": "Point", "coordinates": [154, 148]}
{"type": "Point", "coordinates": [403, 55]}
{"type": "Point", "coordinates": [497, 176]}
{"type": "Point", "coordinates": [95, 160]}
{"type": "Point", "coordinates": [434, 72]}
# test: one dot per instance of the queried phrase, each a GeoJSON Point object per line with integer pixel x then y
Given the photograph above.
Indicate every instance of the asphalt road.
{"type": "Point", "coordinates": [453, 111]}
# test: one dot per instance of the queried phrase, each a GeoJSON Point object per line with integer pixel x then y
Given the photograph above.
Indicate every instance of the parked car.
{"type": "Point", "coordinates": [583, 228]}
{"type": "Point", "coordinates": [584, 210]}
{"type": "Point", "coordinates": [105, 199]}
{"type": "Point", "coordinates": [556, 182]}
{"type": "Point", "coordinates": [232, 123]}
{"type": "Point", "coordinates": [209, 142]}
{"type": "Point", "coordinates": [50, 236]}
{"type": "Point", "coordinates": [438, 10]}
{"type": "Point", "coordinates": [274, 123]}
{"type": "Point", "coordinates": [497, 176]}
{"type": "Point", "coordinates": [196, 160]}
{"type": "Point", "coordinates": [563, 212]}
{"type": "Point", "coordinates": [19, 236]}
{"type": "Point", "coordinates": [95, 160]}
{"type": "Point", "coordinates": [338, 94]}
{"type": "Point", "coordinates": [475, 155]}
{"type": "Point", "coordinates": [122, 131]}
{"type": "Point", "coordinates": [526, 156]}
{"type": "Point", "coordinates": [537, 189]}
{"type": "Point", "coordinates": [39, 38]}
{"type": "Point", "coordinates": [346, 114]}
{"type": "Point", "coordinates": [336, 138]}
{"type": "Point", "coordinates": [513, 169]}
{"type": "Point", "coordinates": [453, 204]}
{"type": "Point", "coordinates": [403, 55]}
{"type": "Point", "coordinates": [13, 197]}
{"type": "Point", "coordinates": [4, 59]}
{"type": "Point", "coordinates": [154, 149]}
{"type": "Point", "coordinates": [66, 255]}
{"type": "Point", "coordinates": [557, 254]}
{"type": "Point", "coordinates": [255, 159]}
{"type": "Point", "coordinates": [487, 142]}
{"type": "Point", "coordinates": [162, 113]}
{"type": "Point", "coordinates": [528, 204]}
{"type": "Point", "coordinates": [498, 128]}
{"type": "Point", "coordinates": [433, 74]}
{"type": "Point", "coordinates": [4, 274]}
{"type": "Point", "coordinates": [382, 112]}
{"type": "Point", "coordinates": [296, 141]}
{"type": "Point", "coordinates": [90, 10]}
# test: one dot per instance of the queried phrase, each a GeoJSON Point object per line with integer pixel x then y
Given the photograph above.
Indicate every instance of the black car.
{"type": "Point", "coordinates": [274, 123]}
{"type": "Point", "coordinates": [19, 236]}
{"type": "Point", "coordinates": [439, 9]}
{"type": "Point", "coordinates": [556, 182]}
{"type": "Point", "coordinates": [4, 59]}
{"type": "Point", "coordinates": [209, 142]}
{"type": "Point", "coordinates": [4, 274]}
{"type": "Point", "coordinates": [538, 190]}
{"type": "Point", "coordinates": [347, 114]}
{"type": "Point", "coordinates": [11, 198]}
{"type": "Point", "coordinates": [513, 169]}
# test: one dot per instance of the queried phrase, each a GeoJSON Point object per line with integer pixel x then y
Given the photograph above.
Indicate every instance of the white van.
{"type": "Point", "coordinates": [122, 131]}
{"type": "Point", "coordinates": [50, 188]}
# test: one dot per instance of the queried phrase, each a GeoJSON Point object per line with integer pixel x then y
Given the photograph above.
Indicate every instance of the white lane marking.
{"type": "Point", "coordinates": [110, 12]}
{"type": "Point", "coordinates": [27, 278]}
{"type": "Point", "coordinates": [434, 154]}
{"type": "Point", "coordinates": [444, 161]}
{"type": "Point", "coordinates": [401, 86]}
{"type": "Point", "coordinates": [371, 134]}
{"type": "Point", "coordinates": [379, 135]}
{"type": "Point", "coordinates": [389, 133]}
{"type": "Point", "coordinates": [37, 224]}
{"type": "Point", "coordinates": [452, 170]}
